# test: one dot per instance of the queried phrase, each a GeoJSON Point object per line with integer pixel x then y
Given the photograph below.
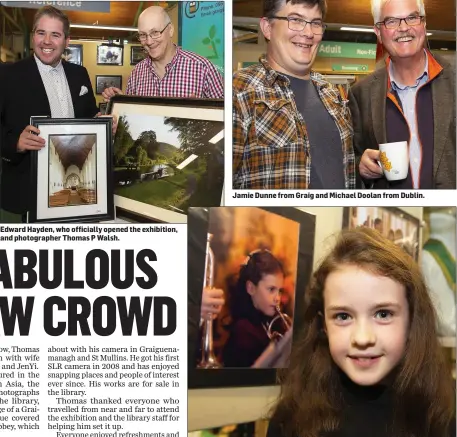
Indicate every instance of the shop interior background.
{"type": "Point", "coordinates": [212, 408]}
{"type": "Point", "coordinates": [348, 49]}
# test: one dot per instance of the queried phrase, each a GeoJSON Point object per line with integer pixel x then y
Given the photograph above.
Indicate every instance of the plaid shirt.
{"type": "Point", "coordinates": [271, 148]}
{"type": "Point", "coordinates": [187, 75]}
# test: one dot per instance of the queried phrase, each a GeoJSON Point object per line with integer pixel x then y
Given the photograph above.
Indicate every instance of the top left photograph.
{"type": "Point", "coordinates": [110, 111]}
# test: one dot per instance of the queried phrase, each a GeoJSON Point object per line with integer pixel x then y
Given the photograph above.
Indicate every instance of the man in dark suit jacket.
{"type": "Point", "coordinates": [42, 85]}
{"type": "Point", "coordinates": [3, 76]}
{"type": "Point", "coordinates": [411, 98]}
{"type": "Point", "coordinates": [3, 68]}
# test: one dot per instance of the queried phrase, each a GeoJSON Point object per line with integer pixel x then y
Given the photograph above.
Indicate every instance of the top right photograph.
{"type": "Point", "coordinates": [331, 94]}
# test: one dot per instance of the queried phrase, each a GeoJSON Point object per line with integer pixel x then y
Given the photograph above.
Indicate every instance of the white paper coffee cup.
{"type": "Point", "coordinates": [394, 160]}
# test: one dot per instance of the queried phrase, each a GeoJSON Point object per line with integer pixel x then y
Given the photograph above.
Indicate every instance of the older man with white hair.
{"type": "Point", "coordinates": [168, 70]}
{"type": "Point", "coordinates": [411, 99]}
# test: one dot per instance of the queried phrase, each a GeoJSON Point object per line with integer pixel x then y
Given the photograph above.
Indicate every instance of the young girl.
{"type": "Point", "coordinates": [253, 305]}
{"type": "Point", "coordinates": [369, 362]}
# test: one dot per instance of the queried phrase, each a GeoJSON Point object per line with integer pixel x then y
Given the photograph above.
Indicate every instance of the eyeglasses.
{"type": "Point", "coordinates": [394, 23]}
{"type": "Point", "coordinates": [298, 24]}
{"type": "Point", "coordinates": [154, 34]}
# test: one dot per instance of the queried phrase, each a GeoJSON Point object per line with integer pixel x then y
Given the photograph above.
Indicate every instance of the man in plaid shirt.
{"type": "Point", "coordinates": [291, 128]}
{"type": "Point", "coordinates": [168, 70]}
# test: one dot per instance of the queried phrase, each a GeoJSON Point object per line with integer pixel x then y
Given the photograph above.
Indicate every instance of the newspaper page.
{"type": "Point", "coordinates": [93, 327]}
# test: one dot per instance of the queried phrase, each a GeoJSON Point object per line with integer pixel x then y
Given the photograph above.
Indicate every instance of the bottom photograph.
{"type": "Point", "coordinates": [321, 321]}
{"type": "Point", "coordinates": [249, 429]}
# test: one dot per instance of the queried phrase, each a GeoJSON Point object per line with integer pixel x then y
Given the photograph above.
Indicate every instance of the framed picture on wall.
{"type": "Point", "coordinates": [74, 54]}
{"type": "Point", "coordinates": [137, 54]}
{"type": "Point", "coordinates": [110, 55]}
{"type": "Point", "coordinates": [249, 338]}
{"type": "Point", "coordinates": [168, 155]}
{"type": "Point", "coordinates": [73, 175]}
{"type": "Point", "coordinates": [103, 82]}
{"type": "Point", "coordinates": [394, 223]}
{"type": "Point", "coordinates": [102, 107]}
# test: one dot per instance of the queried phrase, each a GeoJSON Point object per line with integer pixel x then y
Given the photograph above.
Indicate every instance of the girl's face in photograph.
{"type": "Point", "coordinates": [266, 294]}
{"type": "Point", "coordinates": [366, 321]}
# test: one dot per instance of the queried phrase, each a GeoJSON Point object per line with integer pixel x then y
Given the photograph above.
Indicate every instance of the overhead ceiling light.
{"type": "Point", "coordinates": [358, 29]}
{"type": "Point", "coordinates": [98, 41]}
{"type": "Point", "coordinates": [366, 29]}
{"type": "Point", "coordinates": [92, 26]}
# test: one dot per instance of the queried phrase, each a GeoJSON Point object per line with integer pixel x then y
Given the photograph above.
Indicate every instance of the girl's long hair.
{"type": "Point", "coordinates": [258, 263]}
{"type": "Point", "coordinates": [310, 400]}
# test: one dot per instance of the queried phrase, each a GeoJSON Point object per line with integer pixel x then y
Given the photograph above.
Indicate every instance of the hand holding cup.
{"type": "Point", "coordinates": [394, 160]}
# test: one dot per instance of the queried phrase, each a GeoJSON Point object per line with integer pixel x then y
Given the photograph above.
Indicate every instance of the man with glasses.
{"type": "Point", "coordinates": [292, 129]}
{"type": "Point", "coordinates": [168, 70]}
{"type": "Point", "coordinates": [411, 99]}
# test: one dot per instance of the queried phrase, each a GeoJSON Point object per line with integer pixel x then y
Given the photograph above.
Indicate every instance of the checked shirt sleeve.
{"type": "Point", "coordinates": [129, 90]}
{"type": "Point", "coordinates": [214, 86]}
{"type": "Point", "coordinates": [239, 139]}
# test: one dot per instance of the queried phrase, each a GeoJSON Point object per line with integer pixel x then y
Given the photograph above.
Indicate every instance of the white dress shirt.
{"type": "Point", "coordinates": [57, 89]}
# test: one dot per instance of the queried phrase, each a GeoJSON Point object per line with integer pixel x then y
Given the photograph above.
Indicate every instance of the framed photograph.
{"type": "Point", "coordinates": [110, 55]}
{"type": "Point", "coordinates": [137, 54]}
{"type": "Point", "coordinates": [74, 54]}
{"type": "Point", "coordinates": [168, 155]}
{"type": "Point", "coordinates": [73, 174]}
{"type": "Point", "coordinates": [247, 429]}
{"type": "Point", "coordinates": [102, 107]}
{"type": "Point", "coordinates": [103, 82]}
{"type": "Point", "coordinates": [239, 251]}
{"type": "Point", "coordinates": [393, 223]}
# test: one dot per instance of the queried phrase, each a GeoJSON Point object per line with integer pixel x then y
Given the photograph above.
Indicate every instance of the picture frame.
{"type": "Point", "coordinates": [394, 223]}
{"type": "Point", "coordinates": [105, 81]}
{"type": "Point", "coordinates": [109, 54]}
{"type": "Point", "coordinates": [102, 107]}
{"type": "Point", "coordinates": [183, 160]}
{"type": "Point", "coordinates": [137, 54]}
{"type": "Point", "coordinates": [72, 176]}
{"type": "Point", "coordinates": [244, 429]}
{"type": "Point", "coordinates": [74, 54]}
{"type": "Point", "coordinates": [201, 222]}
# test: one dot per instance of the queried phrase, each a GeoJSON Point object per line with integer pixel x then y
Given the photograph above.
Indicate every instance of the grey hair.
{"type": "Point", "coordinates": [376, 6]}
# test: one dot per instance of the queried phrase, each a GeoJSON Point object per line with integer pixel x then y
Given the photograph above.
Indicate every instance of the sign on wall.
{"type": "Point", "coordinates": [201, 30]}
{"type": "Point", "coordinates": [330, 49]}
{"type": "Point", "coordinates": [64, 6]}
{"type": "Point", "coordinates": [350, 67]}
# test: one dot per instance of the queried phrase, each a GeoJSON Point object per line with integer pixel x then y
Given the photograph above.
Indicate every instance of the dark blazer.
{"type": "Point", "coordinates": [3, 69]}
{"type": "Point", "coordinates": [367, 101]}
{"type": "Point", "coordinates": [3, 75]}
{"type": "Point", "coordinates": [25, 96]}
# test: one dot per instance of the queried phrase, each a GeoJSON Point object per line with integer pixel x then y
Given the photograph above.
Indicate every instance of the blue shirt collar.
{"type": "Point", "coordinates": [399, 86]}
